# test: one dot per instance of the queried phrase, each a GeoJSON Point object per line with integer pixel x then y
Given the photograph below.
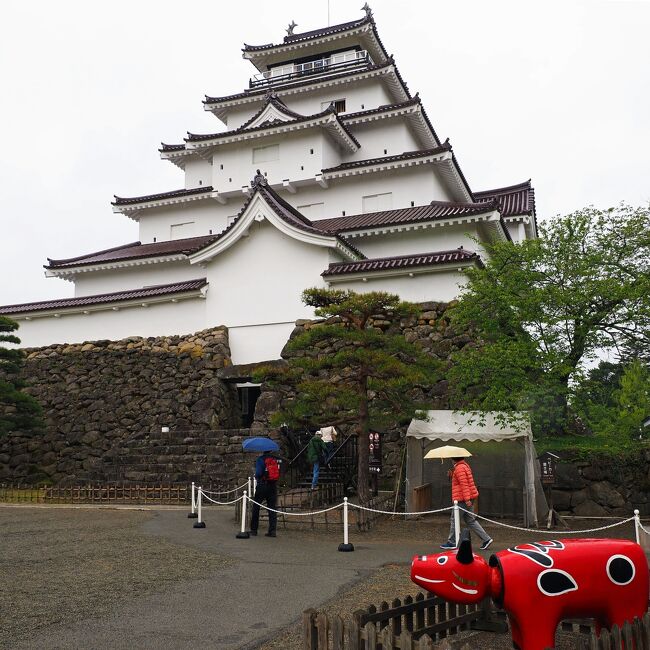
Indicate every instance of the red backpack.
{"type": "Point", "coordinates": [272, 472]}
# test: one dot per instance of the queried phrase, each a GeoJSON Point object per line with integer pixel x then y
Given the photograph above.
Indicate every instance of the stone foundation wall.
{"type": "Point", "coordinates": [603, 487]}
{"type": "Point", "coordinates": [100, 397]}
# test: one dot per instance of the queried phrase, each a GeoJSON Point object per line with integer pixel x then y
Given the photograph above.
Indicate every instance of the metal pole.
{"type": "Point", "coordinates": [252, 494]}
{"type": "Point", "coordinates": [199, 522]}
{"type": "Point", "coordinates": [249, 485]}
{"type": "Point", "coordinates": [192, 514]}
{"type": "Point", "coordinates": [456, 522]}
{"type": "Point", "coordinates": [346, 547]}
{"type": "Point", "coordinates": [242, 534]}
{"type": "Point", "coordinates": [637, 526]}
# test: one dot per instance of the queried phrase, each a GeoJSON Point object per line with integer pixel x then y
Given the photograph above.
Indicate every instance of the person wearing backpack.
{"type": "Point", "coordinates": [316, 455]}
{"type": "Point", "coordinates": [267, 473]}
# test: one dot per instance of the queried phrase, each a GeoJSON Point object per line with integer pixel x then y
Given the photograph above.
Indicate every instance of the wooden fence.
{"type": "Point", "coordinates": [419, 623]}
{"type": "Point", "coordinates": [632, 635]}
{"type": "Point", "coordinates": [119, 493]}
{"type": "Point", "coordinates": [414, 624]}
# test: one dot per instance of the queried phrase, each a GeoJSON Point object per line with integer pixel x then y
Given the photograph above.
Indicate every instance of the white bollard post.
{"type": "Point", "coordinates": [193, 514]}
{"type": "Point", "coordinates": [346, 547]}
{"type": "Point", "coordinates": [456, 522]}
{"type": "Point", "coordinates": [199, 522]}
{"type": "Point", "coordinates": [637, 526]}
{"type": "Point", "coordinates": [242, 534]}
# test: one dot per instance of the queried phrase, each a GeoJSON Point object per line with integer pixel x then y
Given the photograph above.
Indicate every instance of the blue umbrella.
{"type": "Point", "coordinates": [259, 444]}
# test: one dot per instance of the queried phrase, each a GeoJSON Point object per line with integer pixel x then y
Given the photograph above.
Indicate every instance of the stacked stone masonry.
{"type": "Point", "coordinates": [105, 404]}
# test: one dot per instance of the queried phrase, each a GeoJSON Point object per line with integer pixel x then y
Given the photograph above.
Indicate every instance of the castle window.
{"type": "Point", "coordinates": [377, 202]}
{"type": "Point", "coordinates": [339, 105]}
{"type": "Point", "coordinates": [180, 230]}
{"type": "Point", "coordinates": [312, 210]}
{"type": "Point", "coordinates": [266, 154]}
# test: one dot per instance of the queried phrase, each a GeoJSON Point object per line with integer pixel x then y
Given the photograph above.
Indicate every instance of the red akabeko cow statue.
{"type": "Point", "coordinates": [540, 583]}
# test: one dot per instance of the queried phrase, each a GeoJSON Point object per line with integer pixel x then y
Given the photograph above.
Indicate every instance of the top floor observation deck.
{"type": "Point", "coordinates": [318, 66]}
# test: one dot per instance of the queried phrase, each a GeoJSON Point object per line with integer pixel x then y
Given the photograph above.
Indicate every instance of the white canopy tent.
{"type": "Point", "coordinates": [443, 426]}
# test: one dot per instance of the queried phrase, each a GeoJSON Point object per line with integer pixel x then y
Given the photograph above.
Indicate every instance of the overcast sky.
{"type": "Point", "coordinates": [556, 92]}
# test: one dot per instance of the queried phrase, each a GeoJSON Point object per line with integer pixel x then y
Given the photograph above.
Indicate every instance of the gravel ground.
{"type": "Point", "coordinates": [60, 566]}
{"type": "Point", "coordinates": [63, 565]}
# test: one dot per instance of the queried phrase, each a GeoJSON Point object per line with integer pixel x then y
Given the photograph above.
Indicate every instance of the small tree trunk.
{"type": "Point", "coordinates": [363, 451]}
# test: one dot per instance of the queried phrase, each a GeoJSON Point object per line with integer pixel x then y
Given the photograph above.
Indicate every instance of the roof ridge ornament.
{"type": "Point", "coordinates": [259, 180]}
{"type": "Point", "coordinates": [368, 10]}
{"type": "Point", "coordinates": [292, 25]}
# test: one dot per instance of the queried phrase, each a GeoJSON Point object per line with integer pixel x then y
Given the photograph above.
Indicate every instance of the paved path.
{"type": "Point", "coordinates": [269, 584]}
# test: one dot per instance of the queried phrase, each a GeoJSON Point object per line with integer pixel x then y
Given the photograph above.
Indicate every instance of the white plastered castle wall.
{"type": "Point", "coordinates": [135, 277]}
{"type": "Point", "coordinates": [382, 137]}
{"type": "Point", "coordinates": [418, 184]}
{"type": "Point", "coordinates": [159, 319]}
{"type": "Point", "coordinates": [191, 219]}
{"type": "Point", "coordinates": [255, 289]}
{"type": "Point", "coordinates": [359, 96]}
{"type": "Point", "coordinates": [422, 287]}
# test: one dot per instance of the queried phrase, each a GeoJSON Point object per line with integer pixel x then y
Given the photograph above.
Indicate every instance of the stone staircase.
{"type": "Point", "coordinates": [205, 457]}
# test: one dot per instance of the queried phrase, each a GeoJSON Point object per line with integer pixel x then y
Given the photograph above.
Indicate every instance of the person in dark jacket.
{"type": "Point", "coordinates": [267, 490]}
{"type": "Point", "coordinates": [316, 454]}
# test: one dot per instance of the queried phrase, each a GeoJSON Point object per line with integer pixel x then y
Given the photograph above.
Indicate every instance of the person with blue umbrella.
{"type": "Point", "coordinates": [267, 473]}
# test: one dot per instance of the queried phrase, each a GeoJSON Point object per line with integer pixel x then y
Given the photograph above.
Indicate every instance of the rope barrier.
{"type": "Point", "coordinates": [222, 503]}
{"type": "Point", "coordinates": [296, 514]}
{"type": "Point", "coordinates": [643, 528]}
{"type": "Point", "coordinates": [536, 530]}
{"type": "Point", "coordinates": [404, 514]}
{"type": "Point", "coordinates": [225, 491]}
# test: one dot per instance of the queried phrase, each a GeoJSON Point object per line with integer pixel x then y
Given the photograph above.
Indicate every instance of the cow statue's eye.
{"type": "Point", "coordinates": [442, 559]}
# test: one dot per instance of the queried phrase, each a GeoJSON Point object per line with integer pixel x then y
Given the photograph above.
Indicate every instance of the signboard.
{"type": "Point", "coordinates": [547, 462]}
{"type": "Point", "coordinates": [374, 455]}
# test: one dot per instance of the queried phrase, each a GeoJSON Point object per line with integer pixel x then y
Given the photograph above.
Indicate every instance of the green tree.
{"type": "Point", "coordinates": [347, 371]}
{"type": "Point", "coordinates": [544, 307]}
{"type": "Point", "coordinates": [632, 400]}
{"type": "Point", "coordinates": [18, 411]}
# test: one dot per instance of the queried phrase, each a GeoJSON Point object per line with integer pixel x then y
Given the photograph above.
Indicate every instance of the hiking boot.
{"type": "Point", "coordinates": [485, 545]}
{"type": "Point", "coordinates": [271, 533]}
{"type": "Point", "coordinates": [447, 546]}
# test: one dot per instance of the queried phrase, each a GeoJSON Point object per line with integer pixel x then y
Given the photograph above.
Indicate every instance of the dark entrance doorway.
{"type": "Point", "coordinates": [248, 394]}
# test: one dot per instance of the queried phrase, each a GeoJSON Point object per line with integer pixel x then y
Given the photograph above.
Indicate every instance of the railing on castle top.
{"type": "Point", "coordinates": [117, 493]}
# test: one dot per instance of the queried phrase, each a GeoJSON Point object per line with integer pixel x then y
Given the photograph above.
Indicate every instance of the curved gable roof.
{"type": "Point", "coordinates": [512, 200]}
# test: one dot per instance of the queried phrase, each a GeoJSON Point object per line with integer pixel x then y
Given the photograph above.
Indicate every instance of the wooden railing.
{"type": "Point", "coordinates": [414, 624]}
{"type": "Point", "coordinates": [118, 493]}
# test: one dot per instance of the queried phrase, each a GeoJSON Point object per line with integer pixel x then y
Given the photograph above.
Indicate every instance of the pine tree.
{"type": "Point", "coordinates": [18, 411]}
{"type": "Point", "coordinates": [347, 371]}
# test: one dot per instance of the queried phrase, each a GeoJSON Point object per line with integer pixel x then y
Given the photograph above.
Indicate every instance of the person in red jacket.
{"type": "Point", "coordinates": [464, 491]}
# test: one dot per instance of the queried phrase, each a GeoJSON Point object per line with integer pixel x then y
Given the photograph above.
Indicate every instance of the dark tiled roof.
{"type": "Point", "coordinates": [407, 155]}
{"type": "Point", "coordinates": [162, 195]}
{"type": "Point", "coordinates": [194, 137]}
{"type": "Point", "coordinates": [435, 210]}
{"type": "Point", "coordinates": [384, 108]}
{"type": "Point", "coordinates": [401, 262]}
{"type": "Point", "coordinates": [105, 298]}
{"type": "Point", "coordinates": [171, 147]}
{"type": "Point", "coordinates": [512, 200]}
{"type": "Point", "coordinates": [272, 99]}
{"type": "Point", "coordinates": [306, 82]}
{"type": "Point", "coordinates": [305, 36]}
{"type": "Point", "coordinates": [135, 250]}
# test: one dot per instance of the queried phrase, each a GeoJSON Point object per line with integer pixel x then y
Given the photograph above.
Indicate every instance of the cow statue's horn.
{"type": "Point", "coordinates": [465, 555]}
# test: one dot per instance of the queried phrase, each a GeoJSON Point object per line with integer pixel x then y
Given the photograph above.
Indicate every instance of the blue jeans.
{"type": "Point", "coordinates": [314, 478]}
